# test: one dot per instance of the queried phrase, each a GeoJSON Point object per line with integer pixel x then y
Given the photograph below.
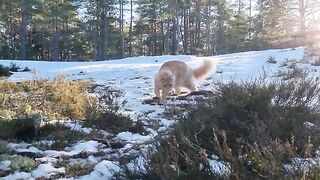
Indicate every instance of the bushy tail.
{"type": "Point", "coordinates": [208, 67]}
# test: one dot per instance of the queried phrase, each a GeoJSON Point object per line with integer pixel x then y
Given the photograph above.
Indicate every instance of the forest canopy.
{"type": "Point", "coordinates": [67, 30]}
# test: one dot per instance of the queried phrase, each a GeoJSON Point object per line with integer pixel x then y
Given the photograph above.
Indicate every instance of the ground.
{"type": "Point", "coordinates": [134, 77]}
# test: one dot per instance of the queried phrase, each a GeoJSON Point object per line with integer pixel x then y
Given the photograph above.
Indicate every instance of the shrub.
{"type": "Point", "coordinates": [105, 114]}
{"type": "Point", "coordinates": [64, 138]}
{"type": "Point", "coordinates": [4, 71]}
{"type": "Point", "coordinates": [272, 60]}
{"type": "Point", "coordinates": [26, 69]}
{"type": "Point", "coordinates": [25, 164]}
{"type": "Point", "coordinates": [3, 147]}
{"type": "Point", "coordinates": [316, 62]}
{"type": "Point", "coordinates": [292, 72]}
{"type": "Point", "coordinates": [289, 61]}
{"type": "Point", "coordinates": [312, 54]}
{"type": "Point", "coordinates": [22, 129]}
{"type": "Point", "coordinates": [77, 169]}
{"type": "Point", "coordinates": [57, 99]}
{"type": "Point", "coordinates": [13, 67]}
{"type": "Point", "coordinates": [255, 126]}
{"type": "Point", "coordinates": [20, 163]}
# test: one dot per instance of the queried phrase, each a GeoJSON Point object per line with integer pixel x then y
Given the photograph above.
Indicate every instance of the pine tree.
{"type": "Point", "coordinates": [307, 13]}
{"type": "Point", "coordinates": [272, 22]}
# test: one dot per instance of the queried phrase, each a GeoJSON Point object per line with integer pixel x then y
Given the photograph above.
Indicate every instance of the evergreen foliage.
{"type": "Point", "coordinates": [256, 127]}
{"type": "Point", "coordinates": [100, 30]}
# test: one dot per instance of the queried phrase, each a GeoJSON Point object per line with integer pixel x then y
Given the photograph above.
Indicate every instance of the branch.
{"type": "Point", "coordinates": [313, 12]}
{"type": "Point", "coordinates": [295, 8]}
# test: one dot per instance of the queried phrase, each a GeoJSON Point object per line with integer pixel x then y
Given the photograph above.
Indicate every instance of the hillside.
{"type": "Point", "coordinates": [132, 79]}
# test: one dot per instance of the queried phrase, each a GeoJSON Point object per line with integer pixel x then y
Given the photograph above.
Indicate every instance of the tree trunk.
{"type": "Point", "coordinates": [186, 31]}
{"type": "Point", "coordinates": [174, 50]}
{"type": "Point", "coordinates": [130, 28]}
{"type": "Point", "coordinates": [25, 18]}
{"type": "Point", "coordinates": [197, 29]}
{"type": "Point", "coordinates": [121, 49]}
{"type": "Point", "coordinates": [208, 31]}
{"type": "Point", "coordinates": [175, 27]}
{"type": "Point", "coordinates": [250, 20]}
{"type": "Point", "coordinates": [55, 37]}
{"type": "Point", "coordinates": [102, 30]}
{"type": "Point", "coordinates": [162, 46]}
{"type": "Point", "coordinates": [302, 13]}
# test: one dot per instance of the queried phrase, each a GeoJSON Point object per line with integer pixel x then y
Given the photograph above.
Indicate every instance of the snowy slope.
{"type": "Point", "coordinates": [134, 76]}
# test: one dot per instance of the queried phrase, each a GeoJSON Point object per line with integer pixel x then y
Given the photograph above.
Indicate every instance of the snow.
{"type": "Point", "coordinates": [219, 167]}
{"type": "Point", "coordinates": [79, 147]}
{"type": "Point", "coordinates": [103, 170]}
{"type": "Point", "coordinates": [134, 76]}
{"type": "Point", "coordinates": [17, 147]}
{"type": "Point", "coordinates": [138, 165]}
{"type": "Point", "coordinates": [29, 149]}
{"type": "Point", "coordinates": [46, 170]}
{"type": "Point", "coordinates": [5, 165]}
{"type": "Point", "coordinates": [19, 175]}
{"type": "Point", "coordinates": [303, 164]}
{"type": "Point", "coordinates": [76, 126]}
{"type": "Point", "coordinates": [85, 146]}
{"type": "Point", "coordinates": [133, 138]}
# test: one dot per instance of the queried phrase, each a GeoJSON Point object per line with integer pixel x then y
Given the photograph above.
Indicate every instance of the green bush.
{"type": "Point", "coordinates": [3, 147]}
{"type": "Point", "coordinates": [64, 138]}
{"type": "Point", "coordinates": [104, 114]}
{"type": "Point", "coordinates": [255, 126]}
{"type": "Point", "coordinates": [4, 71]}
{"type": "Point", "coordinates": [13, 67]}
{"type": "Point", "coordinates": [24, 164]}
{"type": "Point", "coordinates": [22, 129]}
{"type": "Point", "coordinates": [271, 60]}
{"type": "Point", "coordinates": [20, 163]}
{"type": "Point", "coordinates": [292, 72]}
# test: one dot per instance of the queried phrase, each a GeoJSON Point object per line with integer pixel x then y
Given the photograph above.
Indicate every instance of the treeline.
{"type": "Point", "coordinates": [107, 29]}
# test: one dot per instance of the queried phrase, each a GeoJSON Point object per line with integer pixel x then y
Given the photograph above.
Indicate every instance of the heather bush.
{"type": "Point", "coordinates": [271, 60]}
{"type": "Point", "coordinates": [104, 114]}
{"type": "Point", "coordinates": [257, 127]}
{"type": "Point", "coordinates": [4, 71]}
{"type": "Point", "coordinates": [292, 71]}
{"type": "Point", "coordinates": [56, 99]}
{"type": "Point", "coordinates": [312, 54]}
{"type": "Point", "coordinates": [22, 129]}
{"type": "Point", "coordinates": [19, 163]}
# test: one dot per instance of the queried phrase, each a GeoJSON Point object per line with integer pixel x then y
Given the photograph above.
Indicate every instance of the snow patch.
{"type": "Point", "coordinates": [30, 149]}
{"type": "Point", "coordinates": [19, 175]}
{"type": "Point", "coordinates": [86, 146]}
{"type": "Point", "coordinates": [5, 165]}
{"type": "Point", "coordinates": [219, 167]}
{"type": "Point", "coordinates": [133, 138]}
{"type": "Point", "coordinates": [103, 170]}
{"type": "Point", "coordinates": [46, 170]}
{"type": "Point", "coordinates": [303, 164]}
{"type": "Point", "coordinates": [76, 126]}
{"type": "Point", "coordinates": [138, 165]}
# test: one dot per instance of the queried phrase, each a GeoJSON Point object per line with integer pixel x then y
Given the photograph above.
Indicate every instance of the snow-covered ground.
{"type": "Point", "coordinates": [134, 76]}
